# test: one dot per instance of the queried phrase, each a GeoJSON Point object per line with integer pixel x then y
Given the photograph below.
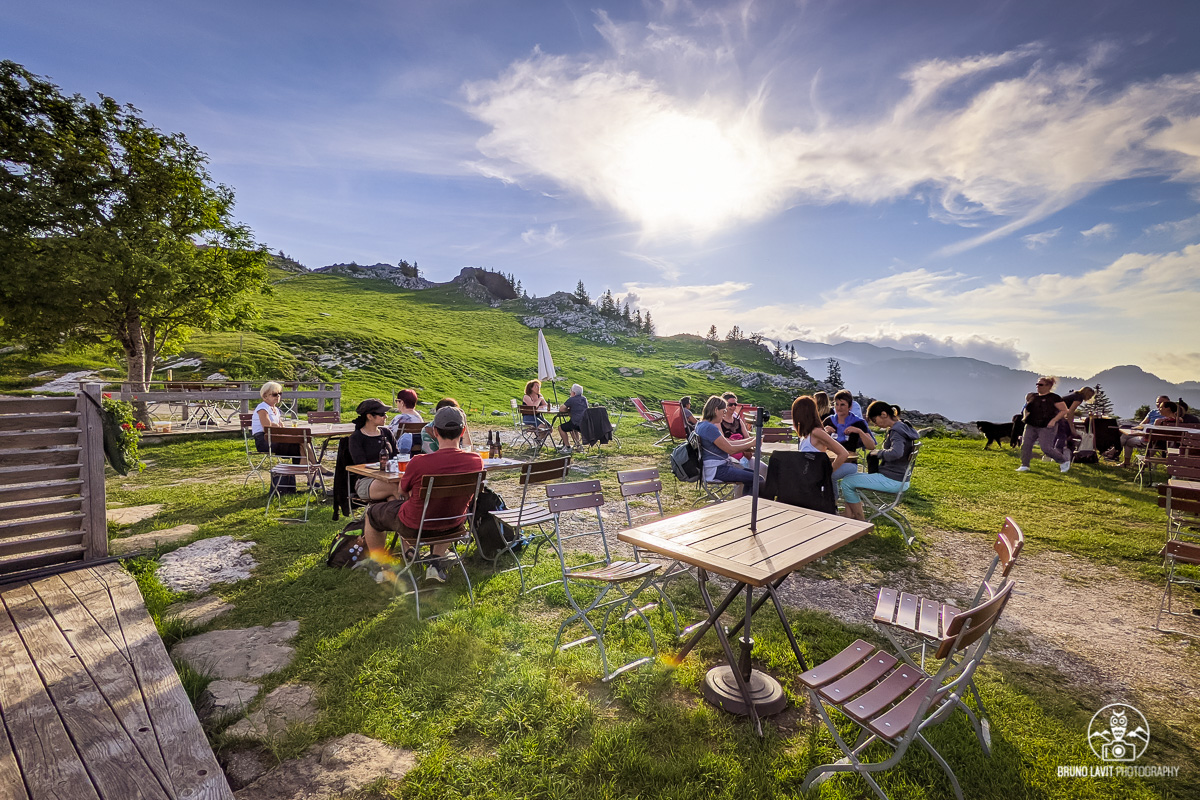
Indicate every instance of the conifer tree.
{"type": "Point", "coordinates": [778, 351]}
{"type": "Point", "coordinates": [1101, 405]}
{"type": "Point", "coordinates": [581, 296]}
{"type": "Point", "coordinates": [734, 334]}
{"type": "Point", "coordinates": [835, 375]}
{"type": "Point", "coordinates": [712, 334]}
{"type": "Point", "coordinates": [625, 314]}
{"type": "Point", "coordinates": [648, 324]}
{"type": "Point", "coordinates": [637, 320]}
{"type": "Point", "coordinates": [608, 306]}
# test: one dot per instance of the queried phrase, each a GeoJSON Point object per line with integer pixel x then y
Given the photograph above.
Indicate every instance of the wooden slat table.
{"type": "Point", "coordinates": [373, 471]}
{"type": "Point", "coordinates": [92, 706]}
{"type": "Point", "coordinates": [718, 539]}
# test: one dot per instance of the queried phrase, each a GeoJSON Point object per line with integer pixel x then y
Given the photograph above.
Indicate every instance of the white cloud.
{"type": "Point", "coordinates": [1179, 230]}
{"type": "Point", "coordinates": [1101, 230]}
{"type": "Point", "coordinates": [668, 269]}
{"type": "Point", "coordinates": [549, 236]}
{"type": "Point", "coordinates": [659, 131]}
{"type": "Point", "coordinates": [1035, 240]}
{"type": "Point", "coordinates": [1116, 314]}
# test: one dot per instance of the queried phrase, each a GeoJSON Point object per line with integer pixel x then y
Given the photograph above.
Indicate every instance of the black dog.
{"type": "Point", "coordinates": [999, 431]}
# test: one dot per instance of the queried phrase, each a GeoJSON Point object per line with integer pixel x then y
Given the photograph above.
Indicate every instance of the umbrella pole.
{"type": "Point", "coordinates": [758, 434]}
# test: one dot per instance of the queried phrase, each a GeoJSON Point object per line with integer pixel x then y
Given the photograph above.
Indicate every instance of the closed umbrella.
{"type": "Point", "coordinates": [546, 364]}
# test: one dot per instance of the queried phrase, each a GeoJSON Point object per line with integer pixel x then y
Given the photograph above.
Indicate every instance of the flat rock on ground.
{"type": "Point", "coordinates": [128, 515]}
{"type": "Point", "coordinates": [240, 654]}
{"type": "Point", "coordinates": [198, 566]}
{"type": "Point", "coordinates": [289, 704]}
{"type": "Point", "coordinates": [334, 768]}
{"type": "Point", "coordinates": [225, 698]}
{"type": "Point", "coordinates": [243, 767]}
{"type": "Point", "coordinates": [152, 539]}
{"type": "Point", "coordinates": [200, 611]}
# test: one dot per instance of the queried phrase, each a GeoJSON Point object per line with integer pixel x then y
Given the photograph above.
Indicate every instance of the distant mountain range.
{"type": "Point", "coordinates": [969, 389]}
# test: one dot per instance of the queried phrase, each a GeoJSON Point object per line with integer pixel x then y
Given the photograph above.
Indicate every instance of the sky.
{"type": "Point", "coordinates": [1014, 181]}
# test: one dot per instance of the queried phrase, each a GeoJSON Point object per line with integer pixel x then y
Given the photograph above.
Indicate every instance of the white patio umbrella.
{"type": "Point", "coordinates": [546, 364]}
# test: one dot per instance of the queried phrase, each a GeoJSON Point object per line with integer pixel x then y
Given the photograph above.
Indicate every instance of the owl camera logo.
{"type": "Point", "coordinates": [1118, 732]}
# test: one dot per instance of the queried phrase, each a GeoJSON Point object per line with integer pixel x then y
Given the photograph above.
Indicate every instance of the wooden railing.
{"type": "Point", "coordinates": [51, 482]}
{"type": "Point", "coordinates": [207, 398]}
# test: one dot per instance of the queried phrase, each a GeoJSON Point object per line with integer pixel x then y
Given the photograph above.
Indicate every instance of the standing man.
{"type": "Point", "coordinates": [576, 407]}
{"type": "Point", "coordinates": [1041, 424]}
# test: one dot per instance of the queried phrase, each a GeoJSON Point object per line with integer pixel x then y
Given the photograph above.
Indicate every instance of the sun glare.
{"type": "Point", "coordinates": [677, 171]}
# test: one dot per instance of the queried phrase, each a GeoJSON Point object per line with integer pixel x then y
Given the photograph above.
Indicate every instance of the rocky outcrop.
{"type": "Point", "coordinates": [405, 278]}
{"type": "Point", "coordinates": [483, 286]}
{"type": "Point", "coordinates": [799, 382]}
{"type": "Point", "coordinates": [563, 312]}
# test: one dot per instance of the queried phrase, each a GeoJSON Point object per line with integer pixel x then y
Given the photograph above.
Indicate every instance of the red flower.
{"type": "Point", "coordinates": [140, 426]}
{"type": "Point", "coordinates": [106, 396]}
{"type": "Point", "coordinates": [126, 426]}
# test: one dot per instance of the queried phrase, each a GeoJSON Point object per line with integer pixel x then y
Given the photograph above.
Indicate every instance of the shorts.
{"type": "Point", "coordinates": [569, 426]}
{"type": "Point", "coordinates": [386, 517]}
{"type": "Point", "coordinates": [362, 489]}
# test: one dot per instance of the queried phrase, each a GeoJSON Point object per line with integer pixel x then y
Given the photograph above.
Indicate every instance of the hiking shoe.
{"type": "Point", "coordinates": [1064, 466]}
{"type": "Point", "coordinates": [435, 572]}
{"type": "Point", "coordinates": [1022, 469]}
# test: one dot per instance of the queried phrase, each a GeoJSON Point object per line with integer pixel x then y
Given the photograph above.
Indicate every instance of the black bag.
{"type": "Point", "coordinates": [685, 463]}
{"type": "Point", "coordinates": [491, 535]}
{"type": "Point", "coordinates": [348, 547]}
{"type": "Point", "coordinates": [872, 462]}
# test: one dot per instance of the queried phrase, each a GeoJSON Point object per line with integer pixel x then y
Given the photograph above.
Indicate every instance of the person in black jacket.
{"type": "Point", "coordinates": [371, 440]}
{"type": "Point", "coordinates": [1042, 415]}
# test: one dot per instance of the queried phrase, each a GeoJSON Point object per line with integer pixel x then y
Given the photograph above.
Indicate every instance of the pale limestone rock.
{"type": "Point", "coordinates": [241, 654]}
{"type": "Point", "coordinates": [337, 767]}
{"type": "Point", "coordinates": [145, 541]}
{"type": "Point", "coordinates": [287, 705]}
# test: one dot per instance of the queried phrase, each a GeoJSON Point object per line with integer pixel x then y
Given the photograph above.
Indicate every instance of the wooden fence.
{"type": "Point", "coordinates": [51, 482]}
{"type": "Point", "coordinates": [209, 399]}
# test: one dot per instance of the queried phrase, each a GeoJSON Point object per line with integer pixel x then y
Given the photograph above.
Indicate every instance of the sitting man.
{"type": "Point", "coordinates": [576, 407]}
{"type": "Point", "coordinates": [1132, 441]}
{"type": "Point", "coordinates": [404, 515]}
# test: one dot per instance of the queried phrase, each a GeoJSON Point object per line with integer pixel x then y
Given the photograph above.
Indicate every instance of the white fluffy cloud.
{"type": "Point", "coordinates": [1003, 139]}
{"type": "Point", "coordinates": [550, 236]}
{"type": "Point", "coordinates": [1102, 230]}
{"type": "Point", "coordinates": [1088, 321]}
{"type": "Point", "coordinates": [1035, 240]}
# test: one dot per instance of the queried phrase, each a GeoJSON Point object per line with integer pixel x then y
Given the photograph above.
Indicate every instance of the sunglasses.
{"type": "Point", "coordinates": [274, 394]}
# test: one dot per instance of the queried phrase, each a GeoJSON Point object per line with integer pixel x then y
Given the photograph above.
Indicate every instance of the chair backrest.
{"type": "Point", "coordinates": [573, 496]}
{"type": "Point", "coordinates": [527, 411]}
{"type": "Point", "coordinates": [552, 469]}
{"type": "Point", "coordinates": [970, 626]}
{"type": "Point", "coordinates": [638, 482]}
{"type": "Point", "coordinates": [1189, 445]}
{"type": "Point", "coordinates": [748, 413]}
{"type": "Point", "coordinates": [674, 415]}
{"type": "Point", "coordinates": [409, 427]}
{"type": "Point", "coordinates": [641, 408]}
{"type": "Point", "coordinates": [247, 420]}
{"type": "Point", "coordinates": [912, 461]}
{"type": "Point", "coordinates": [1183, 466]}
{"type": "Point", "coordinates": [321, 417]}
{"type": "Point", "coordinates": [440, 487]}
{"type": "Point", "coordinates": [514, 402]}
{"type": "Point", "coordinates": [300, 436]}
{"type": "Point", "coordinates": [778, 435]}
{"type": "Point", "coordinates": [1009, 543]}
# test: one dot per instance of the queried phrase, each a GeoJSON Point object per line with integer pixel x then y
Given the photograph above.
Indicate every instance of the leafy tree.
{"type": "Point", "coordinates": [714, 356]}
{"type": "Point", "coordinates": [835, 375]}
{"type": "Point", "coordinates": [647, 324]}
{"type": "Point", "coordinates": [1141, 412]}
{"type": "Point", "coordinates": [756, 338]}
{"type": "Point", "coordinates": [1101, 405]}
{"type": "Point", "coordinates": [712, 334]}
{"type": "Point", "coordinates": [581, 296]}
{"type": "Point", "coordinates": [608, 306]}
{"type": "Point", "coordinates": [111, 231]}
{"type": "Point", "coordinates": [734, 334]}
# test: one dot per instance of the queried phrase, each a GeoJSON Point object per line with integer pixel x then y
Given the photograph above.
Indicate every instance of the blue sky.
{"type": "Point", "coordinates": [1018, 182]}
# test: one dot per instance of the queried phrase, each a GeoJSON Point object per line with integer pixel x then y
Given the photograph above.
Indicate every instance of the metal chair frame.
{"type": "Point", "coordinates": [255, 459]}
{"type": "Point", "coordinates": [887, 504]}
{"type": "Point", "coordinates": [650, 419]}
{"type": "Point", "coordinates": [639, 483]}
{"type": "Point", "coordinates": [611, 576]}
{"type": "Point", "coordinates": [1182, 505]}
{"type": "Point", "coordinates": [893, 702]}
{"type": "Point", "coordinates": [527, 515]}
{"type": "Point", "coordinates": [1174, 553]}
{"type": "Point", "coordinates": [438, 486]}
{"type": "Point", "coordinates": [927, 620]}
{"type": "Point", "coordinates": [311, 471]}
{"type": "Point", "coordinates": [323, 418]}
{"type": "Point", "coordinates": [1157, 449]}
{"type": "Point", "coordinates": [531, 436]}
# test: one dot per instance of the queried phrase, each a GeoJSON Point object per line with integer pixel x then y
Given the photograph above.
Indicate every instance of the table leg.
{"type": "Point", "coordinates": [713, 616]}
{"type": "Point", "coordinates": [734, 668]}
{"type": "Point", "coordinates": [771, 587]}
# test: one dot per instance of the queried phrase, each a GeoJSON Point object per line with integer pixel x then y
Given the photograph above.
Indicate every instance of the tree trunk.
{"type": "Point", "coordinates": [136, 364]}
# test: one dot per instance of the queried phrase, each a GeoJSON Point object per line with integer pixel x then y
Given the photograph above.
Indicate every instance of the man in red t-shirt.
{"type": "Point", "coordinates": [444, 514]}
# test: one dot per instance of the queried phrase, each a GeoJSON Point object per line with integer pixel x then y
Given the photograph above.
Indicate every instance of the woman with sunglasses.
{"type": "Point", "coordinates": [267, 415]}
{"type": "Point", "coordinates": [1042, 415]}
{"type": "Point", "coordinates": [371, 440]}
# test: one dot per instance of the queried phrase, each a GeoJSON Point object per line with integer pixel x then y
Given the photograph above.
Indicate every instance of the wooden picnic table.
{"type": "Point", "coordinates": [719, 539]}
{"type": "Point", "coordinates": [793, 446]}
{"type": "Point", "coordinates": [373, 471]}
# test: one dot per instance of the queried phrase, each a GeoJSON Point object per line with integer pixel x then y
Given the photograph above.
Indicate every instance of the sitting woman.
{"type": "Point", "coordinates": [898, 447]}
{"type": "Point", "coordinates": [368, 444]}
{"type": "Point", "coordinates": [406, 401]}
{"type": "Point", "coordinates": [716, 450]}
{"type": "Point", "coordinates": [850, 430]}
{"type": "Point", "coordinates": [267, 415]}
{"type": "Point", "coordinates": [429, 442]}
{"type": "Point", "coordinates": [685, 410]}
{"type": "Point", "coordinates": [533, 397]}
{"type": "Point", "coordinates": [815, 439]}
{"type": "Point", "coordinates": [823, 407]}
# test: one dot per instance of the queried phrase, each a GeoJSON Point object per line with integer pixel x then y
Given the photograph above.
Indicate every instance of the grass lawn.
{"type": "Point", "coordinates": [493, 714]}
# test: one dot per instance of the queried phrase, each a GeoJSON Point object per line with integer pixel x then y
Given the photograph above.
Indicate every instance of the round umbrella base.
{"type": "Point", "coordinates": [721, 689]}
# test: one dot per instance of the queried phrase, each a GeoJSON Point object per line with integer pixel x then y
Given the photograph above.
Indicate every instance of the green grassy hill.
{"type": "Point", "coordinates": [436, 340]}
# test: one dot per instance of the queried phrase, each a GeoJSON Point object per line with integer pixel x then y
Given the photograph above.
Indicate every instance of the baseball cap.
{"type": "Point", "coordinates": [449, 421]}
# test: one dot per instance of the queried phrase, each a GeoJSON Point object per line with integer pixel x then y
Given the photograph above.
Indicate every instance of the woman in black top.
{"type": "Point", "coordinates": [368, 443]}
{"type": "Point", "coordinates": [1064, 438]}
{"type": "Point", "coordinates": [1042, 414]}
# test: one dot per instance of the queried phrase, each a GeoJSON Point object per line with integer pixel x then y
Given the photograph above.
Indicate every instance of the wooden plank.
{"type": "Point", "coordinates": [41, 508]}
{"type": "Point", "coordinates": [36, 405]}
{"type": "Point", "coordinates": [906, 617]}
{"type": "Point", "coordinates": [15, 565]}
{"type": "Point", "coordinates": [66, 522]}
{"type": "Point", "coordinates": [194, 771]}
{"type": "Point", "coordinates": [41, 544]}
{"type": "Point", "coordinates": [116, 769]}
{"type": "Point", "coordinates": [928, 625]}
{"type": "Point", "coordinates": [91, 461]}
{"type": "Point", "coordinates": [34, 491]}
{"type": "Point", "coordinates": [108, 668]}
{"type": "Point", "coordinates": [51, 767]}
{"type": "Point", "coordinates": [12, 785]}
{"type": "Point", "coordinates": [26, 440]}
{"type": "Point", "coordinates": [34, 458]}
{"type": "Point", "coordinates": [94, 598]}
{"type": "Point", "coordinates": [34, 422]}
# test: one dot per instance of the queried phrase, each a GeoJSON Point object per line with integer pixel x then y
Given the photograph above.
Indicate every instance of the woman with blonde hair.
{"type": "Point", "coordinates": [1042, 414]}
{"type": "Point", "coordinates": [716, 450]}
{"type": "Point", "coordinates": [823, 407]}
{"type": "Point", "coordinates": [267, 415]}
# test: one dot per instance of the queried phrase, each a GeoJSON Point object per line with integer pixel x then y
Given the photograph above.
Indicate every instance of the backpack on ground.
{"type": "Point", "coordinates": [491, 535]}
{"type": "Point", "coordinates": [348, 547]}
{"type": "Point", "coordinates": [685, 463]}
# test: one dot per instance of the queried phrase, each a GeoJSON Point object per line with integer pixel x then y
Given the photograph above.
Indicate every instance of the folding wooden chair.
{"type": "Point", "coordinates": [527, 515]}
{"type": "Point", "coordinates": [641, 483]}
{"type": "Point", "coordinates": [324, 418]}
{"type": "Point", "coordinates": [887, 504]}
{"type": "Point", "coordinates": [650, 419]}
{"type": "Point", "coordinates": [1175, 553]}
{"type": "Point", "coordinates": [778, 434]}
{"type": "Point", "coordinates": [531, 436]}
{"type": "Point", "coordinates": [255, 459]}
{"type": "Point", "coordinates": [311, 471]}
{"type": "Point", "coordinates": [1160, 444]}
{"type": "Point", "coordinates": [892, 702]}
{"type": "Point", "coordinates": [438, 487]}
{"type": "Point", "coordinates": [928, 620]}
{"type": "Point", "coordinates": [605, 576]}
